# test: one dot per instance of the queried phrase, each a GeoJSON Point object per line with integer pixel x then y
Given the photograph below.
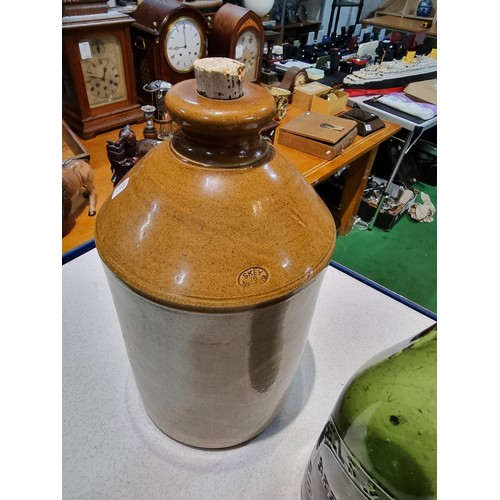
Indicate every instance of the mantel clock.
{"type": "Point", "coordinates": [167, 38]}
{"type": "Point", "coordinates": [293, 77]}
{"type": "Point", "coordinates": [238, 33]}
{"type": "Point", "coordinates": [98, 88]}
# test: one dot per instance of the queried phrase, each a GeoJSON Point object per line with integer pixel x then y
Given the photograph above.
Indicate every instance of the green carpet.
{"type": "Point", "coordinates": [403, 259]}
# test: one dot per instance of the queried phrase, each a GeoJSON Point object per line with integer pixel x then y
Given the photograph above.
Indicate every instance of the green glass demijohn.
{"type": "Point", "coordinates": [380, 441]}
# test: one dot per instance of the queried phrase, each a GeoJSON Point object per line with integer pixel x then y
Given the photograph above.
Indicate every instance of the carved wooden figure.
{"type": "Point", "coordinates": [124, 153]}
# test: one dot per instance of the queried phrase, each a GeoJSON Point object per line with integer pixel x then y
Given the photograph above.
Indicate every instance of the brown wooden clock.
{"type": "Point", "coordinates": [293, 77]}
{"type": "Point", "coordinates": [167, 37]}
{"type": "Point", "coordinates": [238, 33]}
{"type": "Point", "coordinates": [98, 88]}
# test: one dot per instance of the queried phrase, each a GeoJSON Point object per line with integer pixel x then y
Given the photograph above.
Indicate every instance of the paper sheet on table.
{"type": "Point", "coordinates": [399, 100]}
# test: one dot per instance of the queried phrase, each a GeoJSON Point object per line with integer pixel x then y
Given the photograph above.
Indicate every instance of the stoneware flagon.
{"type": "Point", "coordinates": [380, 441]}
{"type": "Point", "coordinates": [214, 247]}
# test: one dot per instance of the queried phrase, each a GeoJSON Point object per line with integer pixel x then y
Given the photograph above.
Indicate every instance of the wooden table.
{"type": "Point", "coordinates": [360, 156]}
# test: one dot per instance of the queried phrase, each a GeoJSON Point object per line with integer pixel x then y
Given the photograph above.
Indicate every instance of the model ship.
{"type": "Point", "coordinates": [392, 73]}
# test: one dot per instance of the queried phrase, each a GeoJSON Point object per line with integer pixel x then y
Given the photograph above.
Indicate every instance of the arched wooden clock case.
{"type": "Point", "coordinates": [155, 22]}
{"type": "Point", "coordinates": [238, 33]}
{"type": "Point", "coordinates": [294, 77]}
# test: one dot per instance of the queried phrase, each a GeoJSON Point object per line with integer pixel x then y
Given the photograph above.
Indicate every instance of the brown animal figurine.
{"type": "Point", "coordinates": [77, 175]}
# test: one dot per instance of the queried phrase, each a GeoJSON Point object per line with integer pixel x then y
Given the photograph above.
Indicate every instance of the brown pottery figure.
{"type": "Point", "coordinates": [77, 177]}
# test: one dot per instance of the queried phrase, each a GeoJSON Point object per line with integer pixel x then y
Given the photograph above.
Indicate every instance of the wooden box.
{"type": "Point", "coordinates": [333, 106]}
{"type": "Point", "coordinates": [308, 133]}
{"type": "Point", "coordinates": [72, 148]}
{"type": "Point", "coordinates": [303, 94]}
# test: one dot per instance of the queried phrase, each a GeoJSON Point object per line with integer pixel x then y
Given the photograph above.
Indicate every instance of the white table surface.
{"type": "Point", "coordinates": [112, 450]}
{"type": "Point", "coordinates": [394, 118]}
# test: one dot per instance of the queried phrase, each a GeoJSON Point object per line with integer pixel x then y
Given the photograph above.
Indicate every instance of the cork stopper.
{"type": "Point", "coordinates": [219, 78]}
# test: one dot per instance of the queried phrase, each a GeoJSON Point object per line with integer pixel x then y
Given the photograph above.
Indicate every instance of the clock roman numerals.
{"type": "Point", "coordinates": [102, 78]}
{"type": "Point", "coordinates": [247, 41]}
{"type": "Point", "coordinates": [248, 51]}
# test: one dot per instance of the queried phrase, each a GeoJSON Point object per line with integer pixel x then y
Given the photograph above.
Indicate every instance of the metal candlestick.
{"type": "Point", "coordinates": [149, 131]}
{"type": "Point", "coordinates": [158, 90]}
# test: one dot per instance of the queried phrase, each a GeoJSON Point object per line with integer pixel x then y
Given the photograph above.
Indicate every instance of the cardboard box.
{"type": "Point", "coordinates": [303, 94]}
{"type": "Point", "coordinates": [307, 133]}
{"type": "Point", "coordinates": [425, 90]}
{"type": "Point", "coordinates": [332, 106]}
{"type": "Point", "coordinates": [315, 73]}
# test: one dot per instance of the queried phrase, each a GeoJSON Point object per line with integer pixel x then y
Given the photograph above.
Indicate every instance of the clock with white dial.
{"type": "Point", "coordinates": [238, 33]}
{"type": "Point", "coordinates": [184, 44]}
{"type": "Point", "coordinates": [167, 38]}
{"type": "Point", "coordinates": [294, 77]}
{"type": "Point", "coordinates": [248, 51]}
{"type": "Point", "coordinates": [102, 69]}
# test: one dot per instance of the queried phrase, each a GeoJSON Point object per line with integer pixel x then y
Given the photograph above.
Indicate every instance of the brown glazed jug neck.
{"type": "Point", "coordinates": [217, 132]}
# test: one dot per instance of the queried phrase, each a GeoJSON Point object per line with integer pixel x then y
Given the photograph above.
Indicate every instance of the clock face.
{"type": "Point", "coordinates": [102, 68]}
{"type": "Point", "coordinates": [248, 52]}
{"type": "Point", "coordinates": [300, 79]}
{"type": "Point", "coordinates": [184, 44]}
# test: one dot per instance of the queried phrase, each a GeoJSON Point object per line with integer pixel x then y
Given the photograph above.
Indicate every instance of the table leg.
{"type": "Point", "coordinates": [394, 172]}
{"type": "Point", "coordinates": [354, 187]}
